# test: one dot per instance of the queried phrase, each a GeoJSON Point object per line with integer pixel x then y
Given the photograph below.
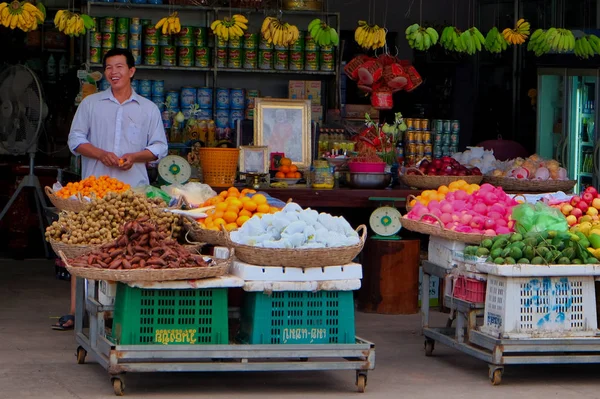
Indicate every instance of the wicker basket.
{"type": "Point", "coordinates": [65, 204]}
{"type": "Point", "coordinates": [198, 234]}
{"type": "Point", "coordinates": [71, 251]}
{"type": "Point", "coordinates": [530, 186]}
{"type": "Point", "coordinates": [438, 231]}
{"type": "Point", "coordinates": [304, 258]}
{"type": "Point", "coordinates": [219, 166]}
{"type": "Point", "coordinates": [220, 268]}
{"type": "Point", "coordinates": [424, 182]}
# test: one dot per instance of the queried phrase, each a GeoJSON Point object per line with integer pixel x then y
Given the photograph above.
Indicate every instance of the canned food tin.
{"type": "Point", "coordinates": [419, 136]}
{"type": "Point", "coordinates": [280, 48]}
{"type": "Point", "coordinates": [327, 49]}
{"type": "Point", "coordinates": [135, 28]}
{"type": "Point", "coordinates": [122, 25]}
{"type": "Point", "coordinates": [250, 59]}
{"type": "Point", "coordinates": [221, 43]}
{"type": "Point", "coordinates": [234, 116]}
{"type": "Point", "coordinates": [160, 103]}
{"type": "Point", "coordinates": [438, 125]}
{"type": "Point", "coordinates": [236, 98]}
{"type": "Point", "coordinates": [453, 150]}
{"type": "Point", "coordinates": [446, 151]}
{"type": "Point", "coordinates": [296, 60]}
{"type": "Point", "coordinates": [281, 60]}
{"type": "Point", "coordinates": [107, 25]}
{"type": "Point", "coordinates": [446, 126]}
{"type": "Point", "coordinates": [309, 43]}
{"type": "Point", "coordinates": [135, 85]}
{"type": "Point", "coordinates": [454, 139]}
{"type": "Point", "coordinates": [265, 59]}
{"type": "Point", "coordinates": [223, 99]}
{"type": "Point", "coordinates": [200, 37]}
{"type": "Point", "coordinates": [427, 149]}
{"type": "Point", "coordinates": [235, 42]}
{"type": "Point", "coordinates": [187, 113]}
{"type": "Point", "coordinates": [425, 124]}
{"type": "Point", "coordinates": [135, 21]}
{"type": "Point", "coordinates": [96, 39]}
{"type": "Point", "coordinates": [327, 61]}
{"type": "Point", "coordinates": [168, 56]}
{"type": "Point", "coordinates": [250, 96]}
{"type": "Point", "coordinates": [145, 87]}
{"type": "Point", "coordinates": [151, 55]}
{"type": "Point", "coordinates": [221, 58]}
{"type": "Point", "coordinates": [95, 26]}
{"type": "Point", "coordinates": [136, 37]}
{"type": "Point", "coordinates": [158, 88]}
{"type": "Point", "coordinates": [108, 40]}
{"type": "Point", "coordinates": [172, 99]}
{"type": "Point", "coordinates": [446, 139]}
{"type": "Point", "coordinates": [411, 149]}
{"type": "Point", "coordinates": [438, 137]}
{"type": "Point", "coordinates": [186, 56]}
{"type": "Point", "coordinates": [104, 85]}
{"type": "Point", "coordinates": [188, 97]}
{"type": "Point", "coordinates": [234, 58]}
{"type": "Point", "coordinates": [137, 56]}
{"type": "Point", "coordinates": [185, 37]}
{"type": "Point", "coordinates": [410, 136]}
{"type": "Point", "coordinates": [264, 45]}
{"type": "Point", "coordinates": [165, 40]}
{"type": "Point", "coordinates": [250, 41]}
{"type": "Point", "coordinates": [455, 126]}
{"type": "Point", "coordinates": [311, 61]}
{"type": "Point", "coordinates": [437, 152]}
{"type": "Point", "coordinates": [222, 118]}
{"type": "Point", "coordinates": [150, 35]}
{"type": "Point", "coordinates": [122, 41]}
{"type": "Point", "coordinates": [420, 149]}
{"type": "Point", "coordinates": [205, 97]}
{"type": "Point", "coordinates": [427, 137]}
{"type": "Point", "coordinates": [135, 46]}
{"type": "Point", "coordinates": [146, 22]}
{"type": "Point", "coordinates": [166, 118]}
{"type": "Point", "coordinates": [410, 123]}
{"type": "Point", "coordinates": [249, 114]}
{"type": "Point", "coordinates": [202, 57]}
{"type": "Point", "coordinates": [95, 55]}
{"type": "Point", "coordinates": [205, 114]}
{"type": "Point", "coordinates": [298, 45]}
{"type": "Point", "coordinates": [417, 124]}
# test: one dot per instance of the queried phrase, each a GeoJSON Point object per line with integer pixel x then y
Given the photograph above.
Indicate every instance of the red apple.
{"type": "Point", "coordinates": [587, 197]}
{"type": "Point", "coordinates": [591, 190]}
{"type": "Point", "coordinates": [575, 200]}
{"type": "Point", "coordinates": [583, 206]}
{"type": "Point", "coordinates": [437, 163]}
{"type": "Point", "coordinates": [577, 213]}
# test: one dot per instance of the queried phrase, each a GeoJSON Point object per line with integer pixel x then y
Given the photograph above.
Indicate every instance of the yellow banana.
{"type": "Point", "coordinates": [160, 23]}
{"type": "Point", "coordinates": [266, 24]}
{"type": "Point", "coordinates": [241, 25]}
{"type": "Point", "coordinates": [240, 18]}
{"type": "Point", "coordinates": [214, 25]}
{"type": "Point", "coordinates": [13, 21]}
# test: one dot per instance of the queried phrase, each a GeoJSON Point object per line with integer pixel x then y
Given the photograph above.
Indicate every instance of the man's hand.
{"type": "Point", "coordinates": [109, 159]}
{"type": "Point", "coordinates": [126, 162]}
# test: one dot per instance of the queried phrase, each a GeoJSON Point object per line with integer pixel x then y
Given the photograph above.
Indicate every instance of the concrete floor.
{"type": "Point", "coordinates": [36, 362]}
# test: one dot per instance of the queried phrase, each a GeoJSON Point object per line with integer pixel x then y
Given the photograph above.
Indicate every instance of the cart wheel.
{"type": "Point", "coordinates": [361, 383]}
{"type": "Point", "coordinates": [496, 375]}
{"type": "Point", "coordinates": [118, 386]}
{"type": "Point", "coordinates": [429, 347]}
{"type": "Point", "coordinates": [81, 354]}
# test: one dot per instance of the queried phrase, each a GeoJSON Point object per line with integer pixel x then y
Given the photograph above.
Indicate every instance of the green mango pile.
{"type": "Point", "coordinates": [545, 248]}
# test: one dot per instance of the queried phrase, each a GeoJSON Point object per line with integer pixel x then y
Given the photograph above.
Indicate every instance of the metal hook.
{"type": "Point", "coordinates": [397, 51]}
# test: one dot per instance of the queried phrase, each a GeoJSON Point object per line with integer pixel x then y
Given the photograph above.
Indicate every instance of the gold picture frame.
{"type": "Point", "coordinates": [291, 121]}
{"type": "Point", "coordinates": [254, 159]}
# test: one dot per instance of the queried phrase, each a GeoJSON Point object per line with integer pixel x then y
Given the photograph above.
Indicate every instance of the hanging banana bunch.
{"type": "Point", "coordinates": [72, 24]}
{"type": "Point", "coordinates": [323, 34]}
{"type": "Point", "coordinates": [170, 25]}
{"type": "Point", "coordinates": [421, 38]}
{"type": "Point", "coordinates": [279, 33]}
{"type": "Point", "coordinates": [519, 34]}
{"type": "Point", "coordinates": [22, 15]}
{"type": "Point", "coordinates": [369, 36]}
{"type": "Point", "coordinates": [494, 41]}
{"type": "Point", "coordinates": [230, 28]}
{"type": "Point", "coordinates": [587, 46]}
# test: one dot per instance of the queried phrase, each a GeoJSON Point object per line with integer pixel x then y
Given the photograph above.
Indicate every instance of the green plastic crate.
{"type": "Point", "coordinates": [170, 317]}
{"type": "Point", "coordinates": [290, 317]}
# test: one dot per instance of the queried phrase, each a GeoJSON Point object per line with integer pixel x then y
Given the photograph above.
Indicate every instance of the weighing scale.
{"type": "Point", "coordinates": [385, 220]}
{"type": "Point", "coordinates": [174, 169]}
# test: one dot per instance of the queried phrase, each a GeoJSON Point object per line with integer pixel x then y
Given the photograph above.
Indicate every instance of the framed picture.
{"type": "Point", "coordinates": [276, 159]}
{"type": "Point", "coordinates": [254, 159]}
{"type": "Point", "coordinates": [284, 126]}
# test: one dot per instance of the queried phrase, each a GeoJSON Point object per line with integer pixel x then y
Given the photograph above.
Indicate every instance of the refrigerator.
{"type": "Point", "coordinates": [567, 120]}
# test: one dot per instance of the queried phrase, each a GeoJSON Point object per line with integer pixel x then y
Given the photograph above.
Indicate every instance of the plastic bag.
{"type": "Point", "coordinates": [539, 217]}
{"type": "Point", "coordinates": [56, 187]}
{"type": "Point", "coordinates": [152, 192]}
{"type": "Point", "coordinates": [195, 194]}
{"type": "Point", "coordinates": [274, 202]}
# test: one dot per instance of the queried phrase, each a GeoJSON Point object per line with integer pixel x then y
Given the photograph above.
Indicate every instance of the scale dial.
{"type": "Point", "coordinates": [174, 169]}
{"type": "Point", "coordinates": [385, 221]}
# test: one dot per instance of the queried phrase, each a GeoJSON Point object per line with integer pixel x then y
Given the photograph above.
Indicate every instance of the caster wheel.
{"type": "Point", "coordinates": [496, 376]}
{"type": "Point", "coordinates": [81, 354]}
{"type": "Point", "coordinates": [429, 347]}
{"type": "Point", "coordinates": [118, 386]}
{"type": "Point", "coordinates": [361, 383]}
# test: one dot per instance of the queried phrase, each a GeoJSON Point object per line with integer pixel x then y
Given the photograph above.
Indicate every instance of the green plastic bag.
{"type": "Point", "coordinates": [539, 217]}
{"type": "Point", "coordinates": [153, 192]}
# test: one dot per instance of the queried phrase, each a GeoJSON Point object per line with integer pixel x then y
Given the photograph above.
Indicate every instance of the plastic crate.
{"type": "Point", "coordinates": [469, 289]}
{"type": "Point", "coordinates": [166, 317]}
{"type": "Point", "coordinates": [441, 251]}
{"type": "Point", "coordinates": [532, 307]}
{"type": "Point", "coordinates": [297, 317]}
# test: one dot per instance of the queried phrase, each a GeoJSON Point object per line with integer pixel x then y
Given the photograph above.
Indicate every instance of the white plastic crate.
{"type": "Point", "coordinates": [540, 307]}
{"type": "Point", "coordinates": [434, 288]}
{"type": "Point", "coordinates": [442, 252]}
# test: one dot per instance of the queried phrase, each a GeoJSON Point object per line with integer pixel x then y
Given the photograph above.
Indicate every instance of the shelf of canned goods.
{"type": "Point", "coordinates": [505, 315]}
{"type": "Point", "coordinates": [305, 323]}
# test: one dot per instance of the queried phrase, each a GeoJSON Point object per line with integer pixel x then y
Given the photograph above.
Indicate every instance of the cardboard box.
{"type": "Point", "coordinates": [358, 111]}
{"type": "Point", "coordinates": [316, 113]}
{"type": "Point", "coordinates": [313, 91]}
{"type": "Point", "coordinates": [296, 90]}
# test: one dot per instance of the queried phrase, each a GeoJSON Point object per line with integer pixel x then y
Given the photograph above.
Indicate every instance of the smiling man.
{"type": "Point", "coordinates": [116, 132]}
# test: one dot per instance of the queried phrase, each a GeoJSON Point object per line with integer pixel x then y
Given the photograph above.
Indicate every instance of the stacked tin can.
{"type": "Point", "coordinates": [230, 107]}
{"type": "Point", "coordinates": [108, 30]}
{"type": "Point", "coordinates": [171, 108]}
{"type": "Point", "coordinates": [186, 49]}
{"type": "Point", "coordinates": [265, 54]}
{"type": "Point", "coordinates": [201, 49]}
{"type": "Point", "coordinates": [222, 53]}
{"type": "Point", "coordinates": [250, 51]}
{"type": "Point", "coordinates": [152, 49]}
{"type": "Point", "coordinates": [251, 96]}
{"type": "Point", "coordinates": [418, 141]}
{"type": "Point", "coordinates": [296, 54]}
{"type": "Point", "coordinates": [446, 136]}
{"type": "Point", "coordinates": [135, 40]}
{"type": "Point", "coordinates": [312, 60]}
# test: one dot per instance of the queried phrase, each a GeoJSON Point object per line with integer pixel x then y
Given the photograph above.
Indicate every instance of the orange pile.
{"type": "Point", "coordinates": [287, 170]}
{"type": "Point", "coordinates": [93, 186]}
{"type": "Point", "coordinates": [440, 194]}
{"type": "Point", "coordinates": [233, 208]}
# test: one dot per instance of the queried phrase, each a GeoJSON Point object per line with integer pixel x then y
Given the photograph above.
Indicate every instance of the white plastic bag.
{"type": "Point", "coordinates": [195, 194]}
{"type": "Point", "coordinates": [57, 186]}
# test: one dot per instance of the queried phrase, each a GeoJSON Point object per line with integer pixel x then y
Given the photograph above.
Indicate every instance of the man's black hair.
{"type": "Point", "coordinates": [119, 51]}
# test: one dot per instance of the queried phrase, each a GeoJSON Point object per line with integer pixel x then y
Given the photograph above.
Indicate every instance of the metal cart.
{"type": "Point", "coordinates": [120, 359]}
{"type": "Point", "coordinates": [498, 352]}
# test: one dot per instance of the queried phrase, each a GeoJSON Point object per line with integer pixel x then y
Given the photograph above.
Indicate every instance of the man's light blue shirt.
{"type": "Point", "coordinates": [133, 126]}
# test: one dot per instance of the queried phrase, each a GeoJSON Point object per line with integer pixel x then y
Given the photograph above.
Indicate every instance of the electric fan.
{"type": "Point", "coordinates": [22, 114]}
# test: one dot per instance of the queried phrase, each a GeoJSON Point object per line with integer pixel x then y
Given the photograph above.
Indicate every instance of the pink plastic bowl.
{"type": "Point", "coordinates": [366, 167]}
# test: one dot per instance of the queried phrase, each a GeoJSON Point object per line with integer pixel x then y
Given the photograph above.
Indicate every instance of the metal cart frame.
{"type": "Point", "coordinates": [120, 359]}
{"type": "Point", "coordinates": [497, 352]}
